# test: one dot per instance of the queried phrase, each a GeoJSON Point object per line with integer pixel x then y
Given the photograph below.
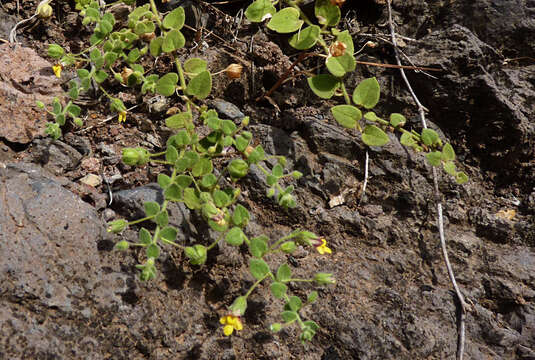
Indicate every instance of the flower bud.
{"type": "Point", "coordinates": [196, 254]}
{"type": "Point", "coordinates": [122, 245]}
{"type": "Point", "coordinates": [248, 150]}
{"type": "Point", "coordinates": [130, 156]}
{"type": "Point", "coordinates": [147, 36]}
{"type": "Point", "coordinates": [338, 48]}
{"type": "Point", "coordinates": [117, 226]}
{"type": "Point", "coordinates": [275, 327]}
{"type": "Point", "coordinates": [233, 71]}
{"type": "Point", "coordinates": [338, 3]}
{"type": "Point", "coordinates": [288, 247]}
{"type": "Point", "coordinates": [245, 121]}
{"type": "Point", "coordinates": [44, 11]}
{"type": "Point", "coordinates": [238, 306]}
{"type": "Point", "coordinates": [324, 279]}
{"type": "Point", "coordinates": [125, 74]}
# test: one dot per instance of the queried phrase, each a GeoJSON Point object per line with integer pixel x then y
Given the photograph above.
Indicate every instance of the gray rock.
{"type": "Point", "coordinates": [56, 156]}
{"type": "Point", "coordinates": [228, 109]}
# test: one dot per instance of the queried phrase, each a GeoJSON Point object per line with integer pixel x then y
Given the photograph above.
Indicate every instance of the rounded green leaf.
{"type": "Point", "coordinates": [327, 13]}
{"type": "Point", "coordinates": [162, 219]}
{"type": "Point", "coordinates": [367, 93]}
{"type": "Point", "coordinates": [429, 137]}
{"type": "Point", "coordinates": [169, 233]}
{"type": "Point", "coordinates": [202, 167]}
{"type": "Point", "coordinates": [346, 115]}
{"type": "Point", "coordinates": [258, 246]}
{"type": "Point", "coordinates": [241, 216]}
{"type": "Point", "coordinates": [238, 168]}
{"type": "Point", "coordinates": [397, 120]}
{"type": "Point", "coordinates": [284, 273]}
{"type": "Point", "coordinates": [172, 41]}
{"type": "Point", "coordinates": [258, 268]}
{"type": "Point", "coordinates": [340, 65]}
{"type": "Point", "coordinates": [166, 84]}
{"type": "Point", "coordinates": [173, 193]}
{"type": "Point", "coordinates": [407, 139]}
{"type": "Point", "coordinates": [151, 208]}
{"type": "Point", "coordinates": [178, 121]}
{"type": "Point", "coordinates": [260, 10]}
{"type": "Point", "coordinates": [448, 153]}
{"type": "Point", "coordinates": [175, 19]}
{"type": "Point", "coordinates": [324, 85]}
{"type": "Point", "coordinates": [285, 21]}
{"type": "Point", "coordinates": [194, 66]}
{"type": "Point", "coordinates": [191, 199]}
{"type": "Point", "coordinates": [305, 38]}
{"type": "Point", "coordinates": [200, 86]}
{"type": "Point", "coordinates": [278, 289]}
{"type": "Point", "coordinates": [289, 316]}
{"type": "Point", "coordinates": [449, 167]}
{"type": "Point", "coordinates": [434, 158]}
{"type": "Point", "coordinates": [155, 46]}
{"type": "Point", "coordinates": [461, 177]}
{"type": "Point", "coordinates": [295, 303]}
{"type": "Point", "coordinates": [163, 180]}
{"type": "Point", "coordinates": [235, 236]}
{"type": "Point", "coordinates": [153, 251]}
{"type": "Point", "coordinates": [221, 198]}
{"type": "Point", "coordinates": [55, 51]}
{"type": "Point", "coordinates": [145, 237]}
{"type": "Point", "coordinates": [345, 37]}
{"type": "Point", "coordinates": [374, 136]}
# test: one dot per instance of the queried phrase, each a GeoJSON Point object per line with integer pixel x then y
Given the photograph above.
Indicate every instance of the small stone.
{"type": "Point", "coordinates": [91, 165]}
{"type": "Point", "coordinates": [91, 180]}
{"type": "Point", "coordinates": [108, 214]}
{"type": "Point", "coordinates": [106, 149]}
{"type": "Point", "coordinates": [228, 109]}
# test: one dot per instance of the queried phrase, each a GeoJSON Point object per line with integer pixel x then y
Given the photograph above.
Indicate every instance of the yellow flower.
{"type": "Point", "coordinates": [231, 323]}
{"type": "Point", "coordinates": [57, 70]}
{"type": "Point", "coordinates": [122, 116]}
{"type": "Point", "coordinates": [322, 247]}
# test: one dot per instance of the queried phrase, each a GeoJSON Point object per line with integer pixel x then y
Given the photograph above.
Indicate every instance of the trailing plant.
{"type": "Point", "coordinates": [338, 52]}
{"type": "Point", "coordinates": [202, 170]}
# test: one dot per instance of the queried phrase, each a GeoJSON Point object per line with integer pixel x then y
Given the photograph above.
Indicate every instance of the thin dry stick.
{"type": "Point", "coordinates": [365, 178]}
{"type": "Point", "coordinates": [440, 222]}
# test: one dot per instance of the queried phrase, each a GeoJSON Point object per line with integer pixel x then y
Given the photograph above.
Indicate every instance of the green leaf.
{"type": "Point", "coordinates": [200, 86]}
{"type": "Point", "coordinates": [258, 246]}
{"type": "Point", "coordinates": [277, 171]}
{"type": "Point", "coordinates": [208, 180]}
{"type": "Point", "coordinates": [155, 46]}
{"type": "Point", "coordinates": [374, 136]}
{"type": "Point", "coordinates": [171, 154]}
{"type": "Point", "coordinates": [258, 268]}
{"type": "Point", "coordinates": [133, 55]}
{"type": "Point", "coordinates": [163, 180]}
{"type": "Point", "coordinates": [228, 127]}
{"type": "Point", "coordinates": [221, 198]}
{"type": "Point", "coordinates": [324, 85]}
{"type": "Point", "coordinates": [345, 37]}
{"type": "Point", "coordinates": [340, 65]}
{"type": "Point", "coordinates": [191, 199]}
{"type": "Point", "coordinates": [82, 73]}
{"type": "Point", "coordinates": [346, 115]}
{"type": "Point", "coordinates": [175, 19]}
{"type": "Point", "coordinates": [448, 153]}
{"type": "Point", "coordinates": [55, 51]}
{"type": "Point", "coordinates": [173, 193]}
{"type": "Point", "coordinates": [278, 289]}
{"type": "Point", "coordinates": [202, 167]}
{"type": "Point", "coordinates": [407, 139]}
{"type": "Point", "coordinates": [289, 316]}
{"type": "Point", "coordinates": [166, 84]}
{"type": "Point", "coordinates": [305, 38]}
{"type": "Point", "coordinates": [256, 155]}
{"type": "Point", "coordinates": [285, 21]}
{"type": "Point", "coordinates": [178, 121]}
{"type": "Point", "coordinates": [284, 273]}
{"type": "Point", "coordinates": [295, 303]}
{"type": "Point", "coordinates": [259, 10]}
{"type": "Point", "coordinates": [194, 66]}
{"type": "Point", "coordinates": [145, 237]}
{"type": "Point", "coordinates": [434, 158]}
{"type": "Point", "coordinates": [327, 13]}
{"type": "Point", "coordinates": [449, 167]}
{"type": "Point", "coordinates": [241, 216]}
{"type": "Point", "coordinates": [312, 297]}
{"type": "Point", "coordinates": [169, 233]}
{"type": "Point", "coordinates": [196, 254]}
{"type": "Point", "coordinates": [235, 236]}
{"type": "Point", "coordinates": [151, 208]}
{"type": "Point", "coordinates": [461, 178]}
{"type": "Point", "coordinates": [367, 93]}
{"type": "Point", "coordinates": [162, 219]}
{"type": "Point", "coordinates": [397, 120]}
{"type": "Point", "coordinates": [73, 110]}
{"type": "Point", "coordinates": [238, 168]}
{"type": "Point", "coordinates": [183, 181]}
{"type": "Point", "coordinates": [100, 76]}
{"type": "Point", "coordinates": [153, 251]}
{"type": "Point", "coordinates": [172, 41]}
{"type": "Point", "coordinates": [429, 137]}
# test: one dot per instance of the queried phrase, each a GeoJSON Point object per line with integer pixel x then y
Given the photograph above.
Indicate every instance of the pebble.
{"type": "Point", "coordinates": [91, 180]}
{"type": "Point", "coordinates": [91, 165]}
{"type": "Point", "coordinates": [228, 109]}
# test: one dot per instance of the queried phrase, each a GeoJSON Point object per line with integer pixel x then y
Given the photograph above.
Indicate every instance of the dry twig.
{"type": "Point", "coordinates": [440, 222]}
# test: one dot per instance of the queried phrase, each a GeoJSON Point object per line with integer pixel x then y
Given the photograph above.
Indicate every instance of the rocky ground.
{"type": "Point", "coordinates": [65, 294]}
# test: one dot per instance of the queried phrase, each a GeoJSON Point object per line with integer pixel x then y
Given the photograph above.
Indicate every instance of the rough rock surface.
{"type": "Point", "coordinates": [25, 78]}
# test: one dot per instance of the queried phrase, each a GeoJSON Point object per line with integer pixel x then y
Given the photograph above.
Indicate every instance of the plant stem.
{"type": "Point", "coordinates": [344, 91]}
{"type": "Point", "coordinates": [215, 242]}
{"type": "Point", "coordinates": [156, 13]}
{"type": "Point", "coordinates": [256, 284]}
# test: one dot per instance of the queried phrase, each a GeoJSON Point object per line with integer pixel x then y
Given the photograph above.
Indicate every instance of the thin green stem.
{"type": "Point", "coordinates": [300, 280]}
{"type": "Point", "coordinates": [172, 243]}
{"type": "Point", "coordinates": [215, 242]}
{"type": "Point", "coordinates": [156, 13]}
{"type": "Point", "coordinates": [344, 91]}
{"type": "Point", "coordinates": [256, 284]}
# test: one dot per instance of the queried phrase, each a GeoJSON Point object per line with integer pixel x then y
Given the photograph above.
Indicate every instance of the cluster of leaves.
{"type": "Point", "coordinates": [339, 57]}
{"type": "Point", "coordinates": [203, 170]}
{"type": "Point", "coordinates": [60, 115]}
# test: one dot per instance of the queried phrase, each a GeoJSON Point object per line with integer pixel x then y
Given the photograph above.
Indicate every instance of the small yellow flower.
{"type": "Point", "coordinates": [231, 323]}
{"type": "Point", "coordinates": [57, 70]}
{"type": "Point", "coordinates": [122, 116]}
{"type": "Point", "coordinates": [322, 247]}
